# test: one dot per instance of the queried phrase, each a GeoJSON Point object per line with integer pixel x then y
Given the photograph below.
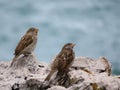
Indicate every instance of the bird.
{"type": "Point", "coordinates": [63, 60]}
{"type": "Point", "coordinates": [27, 44]}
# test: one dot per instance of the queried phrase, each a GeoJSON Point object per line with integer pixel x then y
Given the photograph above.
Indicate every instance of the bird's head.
{"type": "Point", "coordinates": [68, 46]}
{"type": "Point", "coordinates": [32, 31]}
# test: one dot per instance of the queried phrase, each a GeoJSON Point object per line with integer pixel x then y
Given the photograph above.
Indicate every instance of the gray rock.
{"type": "Point", "coordinates": [85, 74]}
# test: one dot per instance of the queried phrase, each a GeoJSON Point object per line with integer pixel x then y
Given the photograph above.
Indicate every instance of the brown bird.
{"type": "Point", "coordinates": [27, 44]}
{"type": "Point", "coordinates": [63, 60]}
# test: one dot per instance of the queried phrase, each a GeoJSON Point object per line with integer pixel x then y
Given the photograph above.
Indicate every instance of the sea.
{"type": "Point", "coordinates": [93, 25]}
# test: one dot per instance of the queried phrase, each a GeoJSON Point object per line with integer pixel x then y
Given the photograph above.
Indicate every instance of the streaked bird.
{"type": "Point", "coordinates": [27, 44]}
{"type": "Point", "coordinates": [63, 60]}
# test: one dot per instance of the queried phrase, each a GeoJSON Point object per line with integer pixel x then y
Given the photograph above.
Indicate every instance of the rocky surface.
{"type": "Point", "coordinates": [27, 73]}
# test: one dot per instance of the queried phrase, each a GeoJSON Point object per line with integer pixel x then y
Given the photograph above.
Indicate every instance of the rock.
{"type": "Point", "coordinates": [85, 74]}
{"type": "Point", "coordinates": [92, 66]}
{"type": "Point", "coordinates": [57, 88]}
{"type": "Point", "coordinates": [62, 79]}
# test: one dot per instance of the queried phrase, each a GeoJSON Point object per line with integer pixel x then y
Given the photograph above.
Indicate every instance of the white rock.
{"type": "Point", "coordinates": [85, 72]}
{"type": "Point", "coordinates": [57, 88]}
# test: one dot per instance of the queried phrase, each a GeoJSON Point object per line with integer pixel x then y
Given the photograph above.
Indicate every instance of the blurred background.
{"type": "Point", "coordinates": [92, 24]}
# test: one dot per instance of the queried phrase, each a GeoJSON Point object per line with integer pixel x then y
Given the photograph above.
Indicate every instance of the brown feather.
{"type": "Point", "coordinates": [66, 58]}
{"type": "Point", "coordinates": [24, 42]}
{"type": "Point", "coordinates": [63, 60]}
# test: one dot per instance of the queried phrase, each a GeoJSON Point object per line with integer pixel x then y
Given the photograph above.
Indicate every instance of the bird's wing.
{"type": "Point", "coordinates": [24, 42]}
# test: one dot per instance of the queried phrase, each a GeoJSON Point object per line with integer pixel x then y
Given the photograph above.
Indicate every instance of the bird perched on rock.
{"type": "Point", "coordinates": [63, 60]}
{"type": "Point", "coordinates": [27, 44]}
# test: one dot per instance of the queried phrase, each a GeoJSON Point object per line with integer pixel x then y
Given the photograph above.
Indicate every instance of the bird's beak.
{"type": "Point", "coordinates": [72, 45]}
{"type": "Point", "coordinates": [37, 30]}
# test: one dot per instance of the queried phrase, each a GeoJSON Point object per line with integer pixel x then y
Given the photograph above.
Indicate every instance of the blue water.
{"type": "Point", "coordinates": [92, 24]}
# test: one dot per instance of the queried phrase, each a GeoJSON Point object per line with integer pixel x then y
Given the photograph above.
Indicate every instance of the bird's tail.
{"type": "Point", "coordinates": [14, 59]}
{"type": "Point", "coordinates": [49, 75]}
